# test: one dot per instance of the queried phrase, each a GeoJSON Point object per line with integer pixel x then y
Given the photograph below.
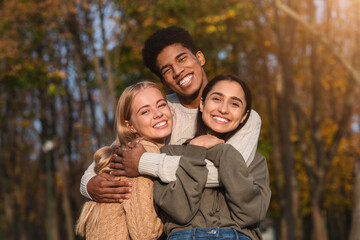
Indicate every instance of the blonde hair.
{"type": "Point", "coordinates": [91, 210]}
{"type": "Point", "coordinates": [124, 107]}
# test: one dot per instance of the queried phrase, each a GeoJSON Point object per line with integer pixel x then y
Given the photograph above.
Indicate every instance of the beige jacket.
{"type": "Point", "coordinates": [134, 219]}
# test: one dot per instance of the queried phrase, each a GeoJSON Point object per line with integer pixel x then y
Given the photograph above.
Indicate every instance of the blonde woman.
{"type": "Point", "coordinates": [143, 115]}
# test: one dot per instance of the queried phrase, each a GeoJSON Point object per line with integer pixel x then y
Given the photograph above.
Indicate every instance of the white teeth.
{"type": "Point", "coordinates": [185, 80]}
{"type": "Point", "coordinates": [160, 124]}
{"type": "Point", "coordinates": [221, 119]}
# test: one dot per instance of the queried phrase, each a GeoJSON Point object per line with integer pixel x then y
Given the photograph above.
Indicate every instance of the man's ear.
{"type": "Point", "coordinates": [130, 126]}
{"type": "Point", "coordinates": [200, 56]}
{"type": "Point", "coordinates": [201, 106]}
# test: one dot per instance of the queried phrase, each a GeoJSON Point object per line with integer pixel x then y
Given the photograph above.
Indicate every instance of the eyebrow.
{"type": "Point", "coordinates": [147, 105]}
{"type": "Point", "coordinates": [177, 57]}
{"type": "Point", "coordinates": [222, 95]}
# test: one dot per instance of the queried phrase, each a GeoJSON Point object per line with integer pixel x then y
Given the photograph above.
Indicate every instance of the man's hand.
{"type": "Point", "coordinates": [106, 188]}
{"type": "Point", "coordinates": [206, 141]}
{"type": "Point", "coordinates": [126, 162]}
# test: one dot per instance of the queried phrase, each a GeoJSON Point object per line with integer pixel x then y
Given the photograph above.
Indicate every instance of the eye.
{"type": "Point", "coordinates": [235, 104]}
{"type": "Point", "coordinates": [144, 112]}
{"type": "Point", "coordinates": [182, 59]}
{"type": "Point", "coordinates": [165, 71]}
{"type": "Point", "coordinates": [161, 105]}
{"type": "Point", "coordinates": [215, 99]}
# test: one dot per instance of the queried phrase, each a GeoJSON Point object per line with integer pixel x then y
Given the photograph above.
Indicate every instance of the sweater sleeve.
{"type": "Point", "coordinates": [247, 189]}
{"type": "Point", "coordinates": [184, 193]}
{"type": "Point", "coordinates": [246, 139]}
{"type": "Point", "coordinates": [164, 167]}
{"type": "Point", "coordinates": [88, 174]}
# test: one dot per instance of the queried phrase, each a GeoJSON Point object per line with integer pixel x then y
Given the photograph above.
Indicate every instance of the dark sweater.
{"type": "Point", "coordinates": [240, 204]}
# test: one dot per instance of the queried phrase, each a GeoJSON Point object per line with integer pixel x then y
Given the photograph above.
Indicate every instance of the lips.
{"type": "Point", "coordinates": [161, 124]}
{"type": "Point", "coordinates": [220, 119]}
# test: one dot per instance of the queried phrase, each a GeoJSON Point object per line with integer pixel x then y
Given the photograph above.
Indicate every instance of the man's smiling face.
{"type": "Point", "coordinates": [181, 70]}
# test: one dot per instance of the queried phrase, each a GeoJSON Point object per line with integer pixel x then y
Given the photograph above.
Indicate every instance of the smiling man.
{"type": "Point", "coordinates": [171, 54]}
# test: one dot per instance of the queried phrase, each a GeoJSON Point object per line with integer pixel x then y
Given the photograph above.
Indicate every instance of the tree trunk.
{"type": "Point", "coordinates": [284, 103]}
{"type": "Point", "coordinates": [97, 67]}
{"type": "Point", "coordinates": [65, 200]}
{"type": "Point", "coordinates": [355, 221]}
{"type": "Point", "coordinates": [267, 89]}
{"type": "Point", "coordinates": [110, 78]}
{"type": "Point", "coordinates": [319, 231]}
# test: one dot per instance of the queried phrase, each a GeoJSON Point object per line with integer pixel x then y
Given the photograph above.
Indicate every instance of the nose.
{"type": "Point", "coordinates": [178, 69]}
{"type": "Point", "coordinates": [223, 107]}
{"type": "Point", "coordinates": [158, 113]}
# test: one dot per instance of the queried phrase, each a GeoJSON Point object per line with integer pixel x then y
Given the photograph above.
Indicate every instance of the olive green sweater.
{"type": "Point", "coordinates": [240, 204]}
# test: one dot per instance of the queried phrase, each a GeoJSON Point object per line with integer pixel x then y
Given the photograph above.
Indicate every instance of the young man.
{"type": "Point", "coordinates": [171, 54]}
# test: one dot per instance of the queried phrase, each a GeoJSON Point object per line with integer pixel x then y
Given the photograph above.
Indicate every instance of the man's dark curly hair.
{"type": "Point", "coordinates": [161, 39]}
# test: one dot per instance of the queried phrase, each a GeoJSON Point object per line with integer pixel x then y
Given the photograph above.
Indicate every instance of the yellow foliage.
{"type": "Point", "coordinates": [51, 88]}
{"type": "Point", "coordinates": [231, 13]}
{"type": "Point", "coordinates": [267, 43]}
{"type": "Point", "coordinates": [210, 29]}
{"type": "Point", "coordinates": [25, 123]}
{"type": "Point", "coordinates": [328, 128]}
{"type": "Point", "coordinates": [57, 74]}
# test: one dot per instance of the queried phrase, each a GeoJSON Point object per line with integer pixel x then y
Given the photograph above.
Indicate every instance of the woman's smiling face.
{"type": "Point", "coordinates": [151, 116]}
{"type": "Point", "coordinates": [224, 107]}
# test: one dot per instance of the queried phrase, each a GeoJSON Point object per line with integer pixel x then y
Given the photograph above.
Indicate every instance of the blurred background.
{"type": "Point", "coordinates": [64, 63]}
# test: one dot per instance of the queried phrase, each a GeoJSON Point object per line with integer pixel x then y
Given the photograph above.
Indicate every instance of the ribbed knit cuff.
{"type": "Point", "coordinates": [83, 185]}
{"type": "Point", "coordinates": [149, 164]}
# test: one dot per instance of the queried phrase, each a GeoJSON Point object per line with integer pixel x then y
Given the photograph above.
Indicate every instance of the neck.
{"type": "Point", "coordinates": [190, 102]}
{"type": "Point", "coordinates": [160, 145]}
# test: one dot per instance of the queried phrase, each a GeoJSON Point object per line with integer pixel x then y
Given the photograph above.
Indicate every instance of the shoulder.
{"type": "Point", "coordinates": [173, 149]}
{"type": "Point", "coordinates": [258, 164]}
{"type": "Point", "coordinates": [149, 146]}
{"type": "Point", "coordinates": [172, 98]}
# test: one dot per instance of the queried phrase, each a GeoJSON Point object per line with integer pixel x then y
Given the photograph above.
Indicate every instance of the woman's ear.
{"type": "Point", "coordinates": [245, 115]}
{"type": "Point", "coordinates": [201, 106]}
{"type": "Point", "coordinates": [130, 126]}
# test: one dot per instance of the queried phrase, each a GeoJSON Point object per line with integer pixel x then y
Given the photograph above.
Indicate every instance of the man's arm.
{"type": "Point", "coordinates": [246, 139]}
{"type": "Point", "coordinates": [164, 167]}
{"type": "Point", "coordinates": [103, 187]}
{"type": "Point", "coordinates": [88, 174]}
{"type": "Point", "coordinates": [136, 162]}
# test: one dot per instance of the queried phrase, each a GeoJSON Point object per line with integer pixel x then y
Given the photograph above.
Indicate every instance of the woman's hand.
{"type": "Point", "coordinates": [206, 141]}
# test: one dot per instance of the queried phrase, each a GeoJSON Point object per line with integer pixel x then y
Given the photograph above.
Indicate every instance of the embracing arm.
{"type": "Point", "coordinates": [246, 139]}
{"type": "Point", "coordinates": [164, 167]}
{"type": "Point", "coordinates": [103, 187]}
{"type": "Point", "coordinates": [88, 174]}
{"type": "Point", "coordinates": [247, 189]}
{"type": "Point", "coordinates": [184, 193]}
